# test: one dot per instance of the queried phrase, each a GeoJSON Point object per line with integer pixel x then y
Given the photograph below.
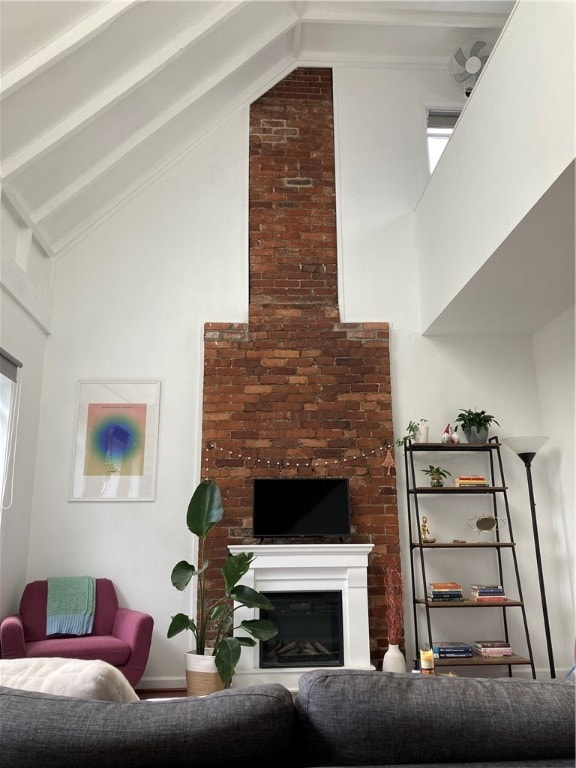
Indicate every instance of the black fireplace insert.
{"type": "Point", "coordinates": [310, 630]}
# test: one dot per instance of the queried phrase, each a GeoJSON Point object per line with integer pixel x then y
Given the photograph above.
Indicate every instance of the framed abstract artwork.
{"type": "Point", "coordinates": [116, 441]}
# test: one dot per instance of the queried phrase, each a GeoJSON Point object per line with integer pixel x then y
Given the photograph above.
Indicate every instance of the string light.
{"type": "Point", "coordinates": [286, 463]}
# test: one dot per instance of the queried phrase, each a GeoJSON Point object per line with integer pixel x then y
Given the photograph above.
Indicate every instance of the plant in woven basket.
{"type": "Point", "coordinates": [214, 623]}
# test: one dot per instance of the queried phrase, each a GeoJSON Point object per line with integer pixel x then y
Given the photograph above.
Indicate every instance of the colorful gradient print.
{"type": "Point", "coordinates": [115, 439]}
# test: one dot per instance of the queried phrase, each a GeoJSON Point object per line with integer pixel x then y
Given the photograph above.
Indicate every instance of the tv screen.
{"type": "Point", "coordinates": [294, 507]}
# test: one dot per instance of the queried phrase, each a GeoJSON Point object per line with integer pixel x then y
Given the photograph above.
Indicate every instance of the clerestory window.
{"type": "Point", "coordinates": [440, 127]}
{"type": "Point", "coordinates": [8, 422]}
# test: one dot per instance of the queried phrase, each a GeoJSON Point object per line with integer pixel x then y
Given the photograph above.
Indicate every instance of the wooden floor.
{"type": "Point", "coordinates": [161, 693]}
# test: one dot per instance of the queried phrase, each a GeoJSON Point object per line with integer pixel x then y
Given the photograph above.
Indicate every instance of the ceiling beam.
{"type": "Point", "coordinates": [64, 45]}
{"type": "Point", "coordinates": [119, 90]}
{"type": "Point", "coordinates": [137, 138]}
{"type": "Point", "coordinates": [11, 196]}
{"type": "Point", "coordinates": [318, 13]}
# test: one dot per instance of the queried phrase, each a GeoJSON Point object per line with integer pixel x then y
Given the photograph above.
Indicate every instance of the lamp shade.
{"type": "Point", "coordinates": [526, 444]}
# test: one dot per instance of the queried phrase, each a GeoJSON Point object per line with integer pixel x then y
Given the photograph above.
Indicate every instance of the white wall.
{"type": "Point", "coordinates": [555, 366]}
{"type": "Point", "coordinates": [130, 303]}
{"type": "Point", "coordinates": [381, 173]}
{"type": "Point", "coordinates": [22, 337]}
{"type": "Point", "coordinates": [25, 298]}
{"type": "Point", "coordinates": [506, 151]}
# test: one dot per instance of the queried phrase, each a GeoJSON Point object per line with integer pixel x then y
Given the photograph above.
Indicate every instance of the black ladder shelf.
{"type": "Point", "coordinates": [495, 493]}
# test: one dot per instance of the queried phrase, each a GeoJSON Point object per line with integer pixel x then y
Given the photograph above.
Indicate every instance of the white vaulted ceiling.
{"type": "Point", "coordinates": [100, 97]}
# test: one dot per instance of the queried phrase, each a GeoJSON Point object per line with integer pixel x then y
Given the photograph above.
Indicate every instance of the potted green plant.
{"type": "Point", "coordinates": [416, 432]}
{"type": "Point", "coordinates": [437, 475]}
{"type": "Point", "coordinates": [475, 424]}
{"type": "Point", "coordinates": [214, 623]}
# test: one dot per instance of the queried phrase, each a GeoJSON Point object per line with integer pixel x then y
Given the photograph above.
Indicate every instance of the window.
{"type": "Point", "coordinates": [440, 127]}
{"type": "Point", "coordinates": [8, 422]}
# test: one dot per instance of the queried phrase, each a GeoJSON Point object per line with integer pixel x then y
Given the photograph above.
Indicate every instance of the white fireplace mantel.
{"type": "Point", "coordinates": [307, 568]}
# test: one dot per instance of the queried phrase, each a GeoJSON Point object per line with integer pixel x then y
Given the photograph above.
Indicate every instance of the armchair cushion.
{"type": "Point", "coordinates": [107, 647]}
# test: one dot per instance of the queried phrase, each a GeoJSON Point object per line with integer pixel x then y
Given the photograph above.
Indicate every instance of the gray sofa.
{"type": "Point", "coordinates": [339, 718]}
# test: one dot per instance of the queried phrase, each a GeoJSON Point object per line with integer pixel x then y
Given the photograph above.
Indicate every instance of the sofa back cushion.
{"type": "Point", "coordinates": [34, 601]}
{"type": "Point", "coordinates": [246, 728]}
{"type": "Point", "coordinates": [351, 717]}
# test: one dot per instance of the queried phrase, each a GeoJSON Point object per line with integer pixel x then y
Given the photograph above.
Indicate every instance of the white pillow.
{"type": "Point", "coordinates": [68, 677]}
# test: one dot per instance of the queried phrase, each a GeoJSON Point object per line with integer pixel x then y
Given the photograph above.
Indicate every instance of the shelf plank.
{"type": "Point", "coordinates": [463, 544]}
{"type": "Point", "coordinates": [453, 446]}
{"type": "Point", "coordinates": [482, 661]}
{"type": "Point", "coordinates": [453, 489]}
{"type": "Point", "coordinates": [469, 603]}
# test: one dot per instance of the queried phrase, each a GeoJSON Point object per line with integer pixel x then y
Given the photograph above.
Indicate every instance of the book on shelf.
{"type": "Point", "coordinates": [445, 596]}
{"type": "Point", "coordinates": [451, 649]}
{"type": "Point", "coordinates": [444, 590]}
{"type": "Point", "coordinates": [485, 593]}
{"type": "Point", "coordinates": [488, 598]}
{"type": "Point", "coordinates": [469, 481]}
{"type": "Point", "coordinates": [487, 589]}
{"type": "Point", "coordinates": [444, 586]}
{"type": "Point", "coordinates": [492, 647]}
{"type": "Point", "coordinates": [492, 652]}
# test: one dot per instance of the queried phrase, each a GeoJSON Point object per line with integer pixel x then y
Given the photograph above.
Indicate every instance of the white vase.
{"type": "Point", "coordinates": [393, 660]}
{"type": "Point", "coordinates": [421, 434]}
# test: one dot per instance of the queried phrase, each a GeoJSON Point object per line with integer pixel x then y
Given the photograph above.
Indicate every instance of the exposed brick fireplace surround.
{"type": "Point", "coordinates": [295, 392]}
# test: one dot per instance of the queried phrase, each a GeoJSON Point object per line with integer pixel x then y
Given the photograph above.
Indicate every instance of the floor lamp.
{"type": "Point", "coordinates": [526, 448]}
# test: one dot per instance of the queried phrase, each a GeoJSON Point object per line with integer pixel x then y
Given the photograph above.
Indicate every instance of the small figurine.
{"type": "Point", "coordinates": [455, 437]}
{"type": "Point", "coordinates": [447, 434]}
{"type": "Point", "coordinates": [425, 532]}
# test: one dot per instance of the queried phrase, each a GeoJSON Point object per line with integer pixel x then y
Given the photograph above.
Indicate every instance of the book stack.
{"type": "Point", "coordinates": [470, 481]}
{"type": "Point", "coordinates": [487, 593]}
{"type": "Point", "coordinates": [492, 647]}
{"type": "Point", "coordinates": [451, 650]}
{"type": "Point", "coordinates": [444, 590]}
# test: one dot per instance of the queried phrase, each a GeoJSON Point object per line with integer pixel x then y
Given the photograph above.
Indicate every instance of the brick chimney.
{"type": "Point", "coordinates": [295, 392]}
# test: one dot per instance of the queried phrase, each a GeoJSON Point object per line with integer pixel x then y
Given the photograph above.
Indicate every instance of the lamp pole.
{"type": "Point", "coordinates": [527, 459]}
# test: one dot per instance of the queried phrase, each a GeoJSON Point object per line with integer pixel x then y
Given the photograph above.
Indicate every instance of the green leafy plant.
{"type": "Point", "coordinates": [214, 623]}
{"type": "Point", "coordinates": [470, 419]}
{"type": "Point", "coordinates": [411, 432]}
{"type": "Point", "coordinates": [436, 471]}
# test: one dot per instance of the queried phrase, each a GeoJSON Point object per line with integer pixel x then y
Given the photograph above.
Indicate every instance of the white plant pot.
{"type": "Point", "coordinates": [421, 434]}
{"type": "Point", "coordinates": [202, 676]}
{"type": "Point", "coordinates": [394, 660]}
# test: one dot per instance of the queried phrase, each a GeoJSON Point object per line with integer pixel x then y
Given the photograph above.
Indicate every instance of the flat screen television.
{"type": "Point", "coordinates": [297, 507]}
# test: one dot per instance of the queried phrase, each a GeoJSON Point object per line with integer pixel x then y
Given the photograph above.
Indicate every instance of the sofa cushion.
{"type": "Point", "coordinates": [68, 677]}
{"type": "Point", "coordinates": [250, 727]}
{"type": "Point", "coordinates": [349, 717]}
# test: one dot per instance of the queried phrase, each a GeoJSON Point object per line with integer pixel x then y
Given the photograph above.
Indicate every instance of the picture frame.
{"type": "Point", "coordinates": [116, 441]}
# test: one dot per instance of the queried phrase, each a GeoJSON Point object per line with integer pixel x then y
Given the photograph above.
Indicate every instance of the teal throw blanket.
{"type": "Point", "coordinates": [71, 603]}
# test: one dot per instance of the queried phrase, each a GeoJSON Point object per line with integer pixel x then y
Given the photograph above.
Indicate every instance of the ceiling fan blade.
{"type": "Point", "coordinates": [461, 77]}
{"type": "Point", "coordinates": [460, 58]}
{"type": "Point", "coordinates": [477, 47]}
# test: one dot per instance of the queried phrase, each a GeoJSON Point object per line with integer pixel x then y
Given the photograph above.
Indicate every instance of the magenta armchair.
{"type": "Point", "coordinates": [119, 636]}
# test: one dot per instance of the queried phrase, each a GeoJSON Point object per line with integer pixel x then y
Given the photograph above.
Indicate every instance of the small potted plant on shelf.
{"type": "Point", "coordinates": [416, 432]}
{"type": "Point", "coordinates": [475, 424]}
{"type": "Point", "coordinates": [437, 475]}
{"type": "Point", "coordinates": [214, 623]}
